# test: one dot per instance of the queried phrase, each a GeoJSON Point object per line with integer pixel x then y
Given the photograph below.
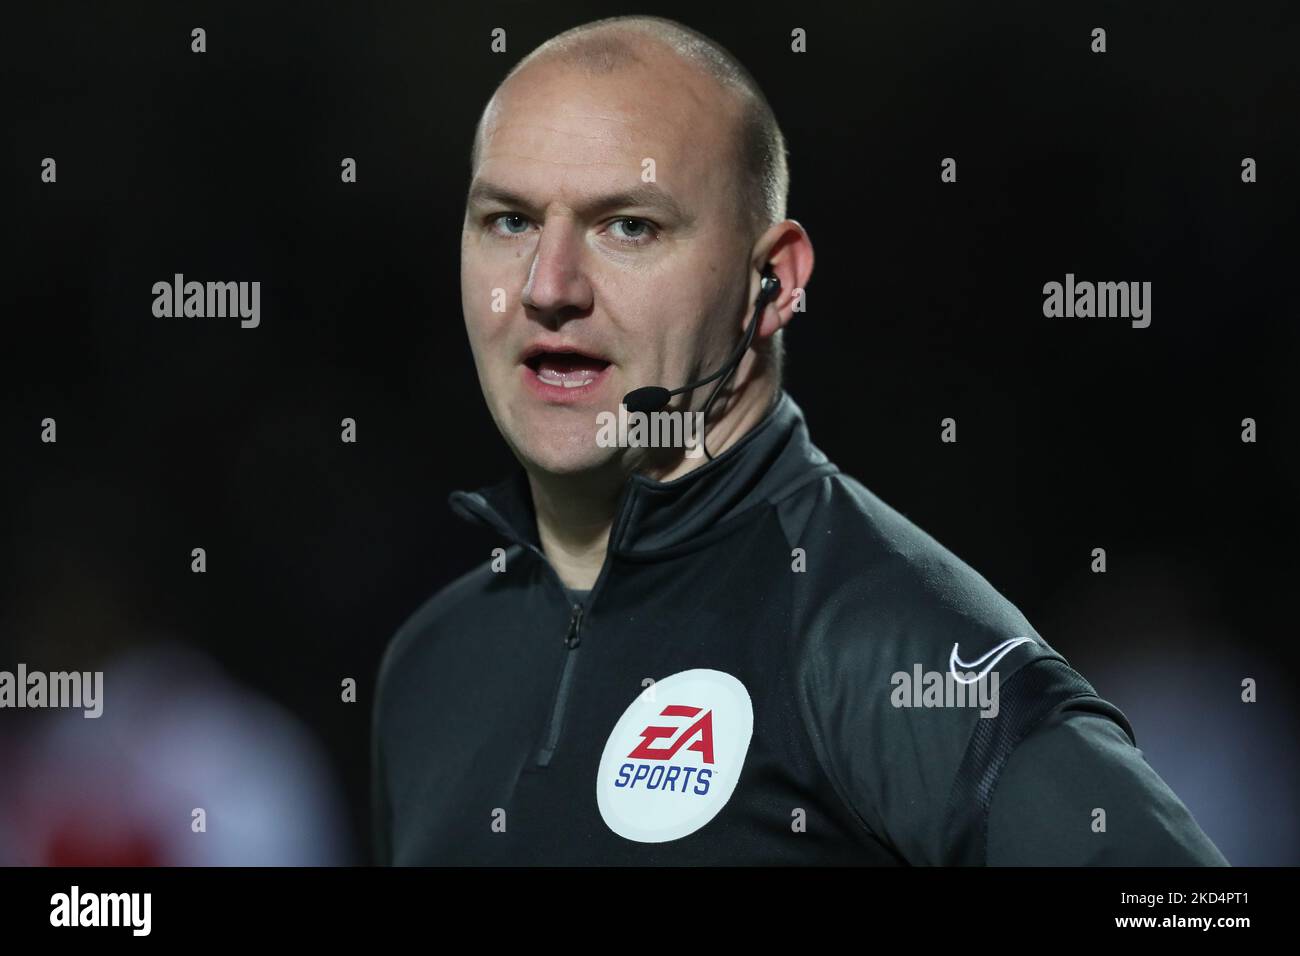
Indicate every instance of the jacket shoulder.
{"type": "Point", "coordinates": [900, 652]}
{"type": "Point", "coordinates": [874, 576]}
{"type": "Point", "coordinates": [424, 629]}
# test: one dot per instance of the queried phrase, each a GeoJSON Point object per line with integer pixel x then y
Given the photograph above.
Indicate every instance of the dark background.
{"type": "Point", "coordinates": [926, 302]}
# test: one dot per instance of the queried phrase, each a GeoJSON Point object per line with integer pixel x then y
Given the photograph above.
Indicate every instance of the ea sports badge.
{"type": "Point", "coordinates": [675, 756]}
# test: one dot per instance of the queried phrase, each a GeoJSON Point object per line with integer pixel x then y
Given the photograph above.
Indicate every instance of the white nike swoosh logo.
{"type": "Point", "coordinates": [987, 662]}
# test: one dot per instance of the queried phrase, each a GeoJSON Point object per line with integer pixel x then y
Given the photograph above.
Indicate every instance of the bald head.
{"type": "Point", "coordinates": [628, 186]}
{"type": "Point", "coordinates": [761, 182]}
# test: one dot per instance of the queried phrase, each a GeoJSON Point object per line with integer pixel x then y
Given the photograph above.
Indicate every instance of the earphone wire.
{"type": "Point", "coordinates": [764, 295]}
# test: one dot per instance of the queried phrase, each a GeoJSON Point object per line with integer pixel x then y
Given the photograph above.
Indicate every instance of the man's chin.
{"type": "Point", "coordinates": [581, 444]}
{"type": "Point", "coordinates": [566, 455]}
{"type": "Point", "coordinates": [592, 462]}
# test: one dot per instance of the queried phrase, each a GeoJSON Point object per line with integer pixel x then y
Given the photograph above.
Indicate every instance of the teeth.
{"type": "Point", "coordinates": [570, 380]}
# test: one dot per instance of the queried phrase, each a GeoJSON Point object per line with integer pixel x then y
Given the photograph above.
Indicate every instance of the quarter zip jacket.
{"type": "Point", "coordinates": [758, 676]}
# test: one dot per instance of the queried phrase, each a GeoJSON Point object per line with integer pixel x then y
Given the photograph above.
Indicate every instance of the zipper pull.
{"type": "Point", "coordinates": [571, 640]}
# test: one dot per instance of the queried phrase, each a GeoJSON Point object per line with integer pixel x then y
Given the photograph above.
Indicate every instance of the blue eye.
{"type": "Point", "coordinates": [511, 217]}
{"type": "Point", "coordinates": [627, 230]}
{"type": "Point", "coordinates": [641, 232]}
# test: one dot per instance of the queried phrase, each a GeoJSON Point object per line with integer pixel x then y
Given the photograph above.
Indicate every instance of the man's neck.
{"type": "Point", "coordinates": [574, 515]}
{"type": "Point", "coordinates": [576, 512]}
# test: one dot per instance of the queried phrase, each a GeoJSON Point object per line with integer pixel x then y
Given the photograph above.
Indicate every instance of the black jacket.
{"type": "Point", "coordinates": [749, 682]}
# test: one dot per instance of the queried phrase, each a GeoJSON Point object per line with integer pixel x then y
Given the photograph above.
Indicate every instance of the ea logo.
{"type": "Point", "coordinates": [674, 757]}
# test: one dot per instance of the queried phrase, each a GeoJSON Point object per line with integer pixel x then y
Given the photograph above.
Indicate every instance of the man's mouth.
{"type": "Point", "coordinates": [566, 369]}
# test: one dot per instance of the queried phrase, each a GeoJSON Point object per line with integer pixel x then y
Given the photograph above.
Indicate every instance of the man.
{"type": "Point", "coordinates": [737, 657]}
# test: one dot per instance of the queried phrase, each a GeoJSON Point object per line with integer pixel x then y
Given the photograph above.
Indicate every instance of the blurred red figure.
{"type": "Point", "coordinates": [183, 768]}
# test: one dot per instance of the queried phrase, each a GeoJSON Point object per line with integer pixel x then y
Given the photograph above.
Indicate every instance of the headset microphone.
{"type": "Point", "coordinates": [652, 398]}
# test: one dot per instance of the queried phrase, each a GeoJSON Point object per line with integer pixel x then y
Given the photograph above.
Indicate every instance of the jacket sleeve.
{"type": "Point", "coordinates": [1057, 779]}
{"type": "Point", "coordinates": [1015, 780]}
{"type": "Point", "coordinates": [1077, 792]}
{"type": "Point", "coordinates": [1020, 786]}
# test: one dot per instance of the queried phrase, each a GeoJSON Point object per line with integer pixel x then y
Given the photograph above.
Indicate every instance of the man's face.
{"type": "Point", "coordinates": [580, 281]}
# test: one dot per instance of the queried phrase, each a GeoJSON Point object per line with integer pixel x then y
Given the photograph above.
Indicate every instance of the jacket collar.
{"type": "Point", "coordinates": [769, 462]}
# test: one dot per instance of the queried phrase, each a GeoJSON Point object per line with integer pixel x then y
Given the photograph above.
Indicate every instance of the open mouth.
{"type": "Point", "coordinates": [566, 369]}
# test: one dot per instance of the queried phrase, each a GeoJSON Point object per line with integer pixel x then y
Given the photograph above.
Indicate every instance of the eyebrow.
{"type": "Point", "coordinates": [645, 195]}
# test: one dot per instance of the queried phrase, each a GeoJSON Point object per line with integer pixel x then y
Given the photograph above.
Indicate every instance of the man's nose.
{"type": "Point", "coordinates": [556, 282]}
